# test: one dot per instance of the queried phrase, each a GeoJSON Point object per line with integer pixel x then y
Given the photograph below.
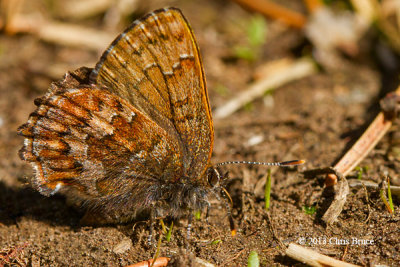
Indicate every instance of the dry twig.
{"type": "Point", "coordinates": [362, 147]}
{"type": "Point", "coordinates": [225, 263]}
{"type": "Point", "coordinates": [337, 205]}
{"type": "Point", "coordinates": [11, 256]}
{"type": "Point", "coordinates": [275, 11]}
{"type": "Point", "coordinates": [313, 5]}
{"type": "Point", "coordinates": [60, 33]}
{"type": "Point", "coordinates": [84, 9]}
{"type": "Point", "coordinates": [367, 199]}
{"type": "Point", "coordinates": [354, 156]}
{"type": "Point", "coordinates": [284, 71]}
{"type": "Point", "coordinates": [313, 258]}
{"type": "Point", "coordinates": [368, 184]}
{"type": "Point", "coordinates": [159, 262]}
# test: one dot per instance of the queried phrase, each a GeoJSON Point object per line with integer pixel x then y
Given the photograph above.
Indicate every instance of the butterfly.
{"type": "Point", "coordinates": [133, 134]}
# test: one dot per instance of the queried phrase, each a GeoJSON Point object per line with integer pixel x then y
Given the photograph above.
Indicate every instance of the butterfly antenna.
{"type": "Point", "coordinates": [280, 164]}
{"type": "Point", "coordinates": [227, 194]}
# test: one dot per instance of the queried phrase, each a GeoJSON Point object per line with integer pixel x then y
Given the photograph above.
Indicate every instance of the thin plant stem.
{"type": "Point", "coordinates": [267, 194]}
{"type": "Point", "coordinates": [390, 195]}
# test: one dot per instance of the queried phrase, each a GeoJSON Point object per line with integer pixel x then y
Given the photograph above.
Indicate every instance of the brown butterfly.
{"type": "Point", "coordinates": [133, 134]}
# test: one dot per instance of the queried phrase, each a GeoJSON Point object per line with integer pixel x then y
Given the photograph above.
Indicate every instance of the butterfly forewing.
{"type": "Point", "coordinates": [156, 66]}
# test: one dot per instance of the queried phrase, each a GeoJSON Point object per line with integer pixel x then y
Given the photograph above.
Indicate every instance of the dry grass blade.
{"type": "Point", "coordinates": [385, 195]}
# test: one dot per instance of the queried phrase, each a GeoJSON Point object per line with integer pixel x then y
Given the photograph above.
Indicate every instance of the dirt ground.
{"type": "Point", "coordinates": [315, 118]}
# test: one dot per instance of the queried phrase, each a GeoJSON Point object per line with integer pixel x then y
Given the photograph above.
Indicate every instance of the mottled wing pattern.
{"type": "Point", "coordinates": [156, 66]}
{"type": "Point", "coordinates": [96, 142]}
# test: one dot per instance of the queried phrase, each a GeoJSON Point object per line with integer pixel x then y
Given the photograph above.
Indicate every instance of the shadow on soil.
{"type": "Point", "coordinates": [16, 203]}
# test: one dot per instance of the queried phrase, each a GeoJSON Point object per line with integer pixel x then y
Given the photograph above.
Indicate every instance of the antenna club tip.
{"type": "Point", "coordinates": [293, 162]}
{"type": "Point", "coordinates": [233, 232]}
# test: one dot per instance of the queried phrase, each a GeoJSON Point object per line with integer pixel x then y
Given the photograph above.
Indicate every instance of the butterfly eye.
{"type": "Point", "coordinates": [213, 177]}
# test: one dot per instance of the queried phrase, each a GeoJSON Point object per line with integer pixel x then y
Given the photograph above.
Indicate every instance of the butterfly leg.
{"type": "Point", "coordinates": [152, 222]}
{"type": "Point", "coordinates": [208, 207]}
{"type": "Point", "coordinates": [189, 226]}
{"type": "Point", "coordinates": [225, 197]}
{"type": "Point", "coordinates": [229, 213]}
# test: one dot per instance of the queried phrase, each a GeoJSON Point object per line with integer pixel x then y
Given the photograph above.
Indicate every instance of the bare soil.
{"type": "Point", "coordinates": [316, 118]}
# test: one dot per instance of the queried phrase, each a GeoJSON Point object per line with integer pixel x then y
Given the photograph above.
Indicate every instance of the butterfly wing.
{"type": "Point", "coordinates": [98, 143]}
{"type": "Point", "coordinates": [156, 66]}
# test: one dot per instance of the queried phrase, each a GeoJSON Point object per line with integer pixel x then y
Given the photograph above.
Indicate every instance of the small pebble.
{"type": "Point", "coordinates": [123, 246]}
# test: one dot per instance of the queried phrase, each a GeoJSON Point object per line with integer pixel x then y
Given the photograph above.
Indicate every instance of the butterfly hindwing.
{"type": "Point", "coordinates": [88, 138]}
